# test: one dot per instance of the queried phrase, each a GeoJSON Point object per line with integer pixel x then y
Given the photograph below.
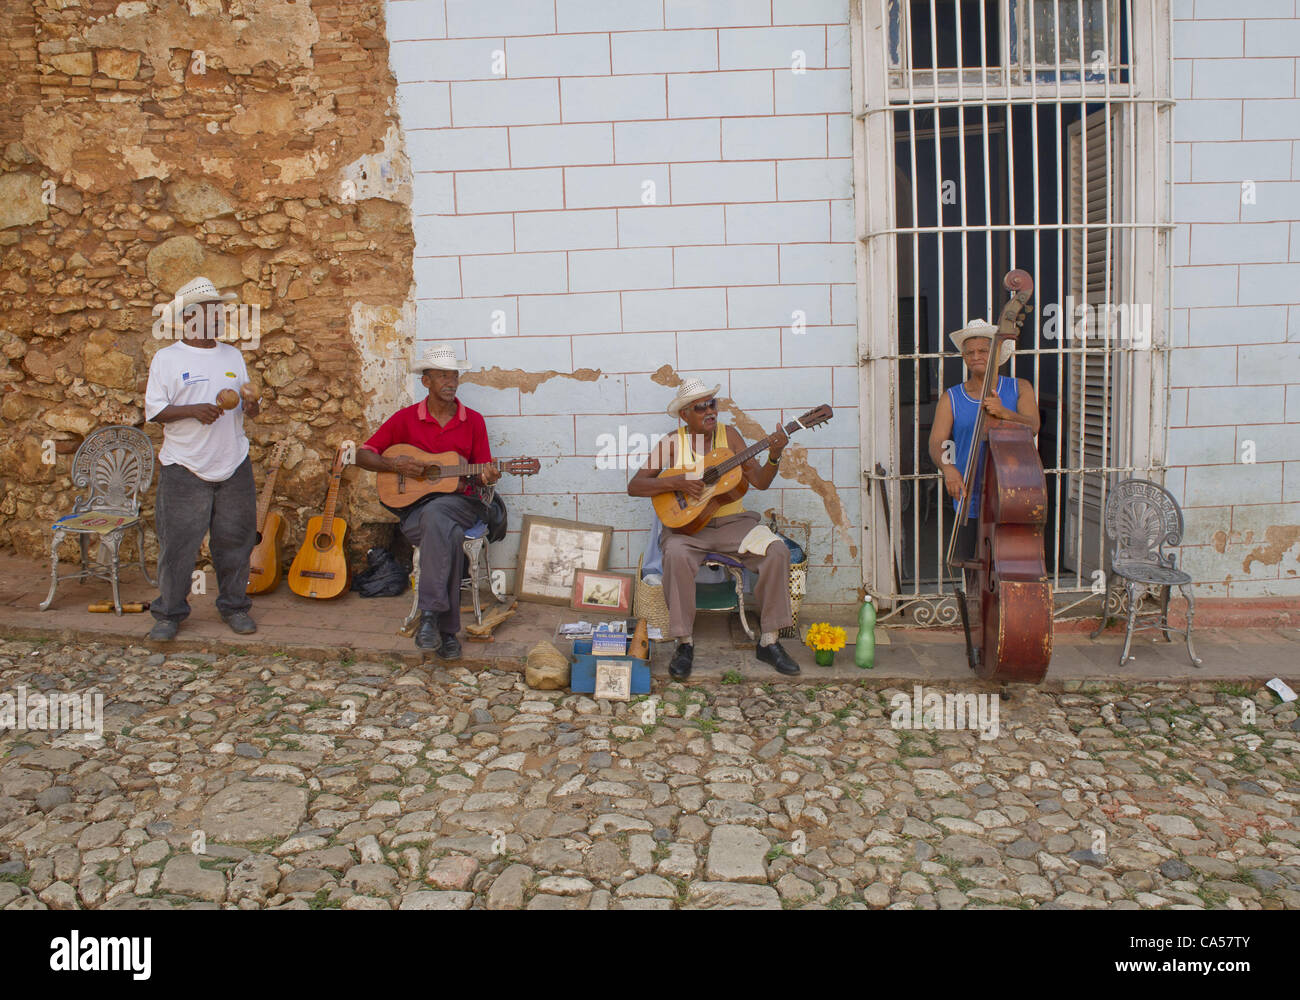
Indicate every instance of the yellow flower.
{"type": "Point", "coordinates": [823, 636]}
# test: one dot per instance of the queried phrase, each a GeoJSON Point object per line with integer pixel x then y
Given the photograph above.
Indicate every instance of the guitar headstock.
{"type": "Point", "coordinates": [277, 453]}
{"type": "Point", "coordinates": [817, 416]}
{"type": "Point", "coordinates": [521, 466]}
{"type": "Point", "coordinates": [340, 459]}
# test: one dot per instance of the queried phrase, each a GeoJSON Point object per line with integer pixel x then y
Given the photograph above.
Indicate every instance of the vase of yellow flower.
{"type": "Point", "coordinates": [825, 640]}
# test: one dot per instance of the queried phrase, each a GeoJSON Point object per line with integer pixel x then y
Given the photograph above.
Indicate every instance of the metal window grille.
{"type": "Point", "coordinates": [994, 134]}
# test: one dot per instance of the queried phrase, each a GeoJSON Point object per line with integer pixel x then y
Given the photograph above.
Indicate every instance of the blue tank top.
{"type": "Point", "coordinates": [964, 410]}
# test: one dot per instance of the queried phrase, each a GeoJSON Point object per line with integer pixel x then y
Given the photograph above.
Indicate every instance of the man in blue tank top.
{"type": "Point", "coordinates": [954, 418]}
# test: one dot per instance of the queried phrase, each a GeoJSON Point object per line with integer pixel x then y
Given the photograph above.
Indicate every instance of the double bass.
{"type": "Point", "coordinates": [1011, 636]}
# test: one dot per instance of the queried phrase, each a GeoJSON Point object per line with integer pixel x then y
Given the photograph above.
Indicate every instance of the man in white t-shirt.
{"type": "Point", "coordinates": [205, 484]}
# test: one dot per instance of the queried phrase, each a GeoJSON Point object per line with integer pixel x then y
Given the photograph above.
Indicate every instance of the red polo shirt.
{"type": "Point", "coordinates": [465, 433]}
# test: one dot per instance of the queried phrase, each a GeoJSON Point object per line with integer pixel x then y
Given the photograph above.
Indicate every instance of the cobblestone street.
{"type": "Point", "coordinates": [256, 781]}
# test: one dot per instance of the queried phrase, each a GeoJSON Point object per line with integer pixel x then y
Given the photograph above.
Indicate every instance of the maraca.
{"type": "Point", "coordinates": [227, 399]}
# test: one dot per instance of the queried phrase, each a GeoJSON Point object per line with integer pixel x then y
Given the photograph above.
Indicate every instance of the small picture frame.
{"type": "Point", "coordinates": [613, 681]}
{"type": "Point", "coordinates": [551, 551]}
{"type": "Point", "coordinates": [601, 592]}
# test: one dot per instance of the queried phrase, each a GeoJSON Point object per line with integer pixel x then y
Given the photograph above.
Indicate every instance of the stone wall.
{"type": "Point", "coordinates": [142, 144]}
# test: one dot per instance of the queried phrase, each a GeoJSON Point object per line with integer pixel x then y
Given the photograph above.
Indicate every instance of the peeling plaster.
{"type": "Point", "coordinates": [517, 378]}
{"type": "Point", "coordinates": [386, 174]}
{"type": "Point", "coordinates": [1280, 537]}
{"type": "Point", "coordinates": [794, 460]}
{"type": "Point", "coordinates": [265, 31]}
{"type": "Point", "coordinates": [382, 335]}
{"type": "Point", "coordinates": [296, 168]}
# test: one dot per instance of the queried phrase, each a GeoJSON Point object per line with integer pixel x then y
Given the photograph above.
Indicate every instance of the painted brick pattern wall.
{"type": "Point", "coordinates": [610, 189]}
{"type": "Point", "coordinates": [1235, 367]}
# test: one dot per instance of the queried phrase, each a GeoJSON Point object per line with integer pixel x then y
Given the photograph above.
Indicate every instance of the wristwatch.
{"type": "Point", "coordinates": [773, 459]}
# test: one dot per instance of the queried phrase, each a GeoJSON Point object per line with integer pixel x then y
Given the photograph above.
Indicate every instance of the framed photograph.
{"type": "Point", "coordinates": [602, 592]}
{"type": "Point", "coordinates": [552, 551]}
{"type": "Point", "coordinates": [613, 680]}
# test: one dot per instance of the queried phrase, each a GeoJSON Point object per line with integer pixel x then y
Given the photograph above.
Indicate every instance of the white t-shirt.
{"type": "Point", "coordinates": [182, 375]}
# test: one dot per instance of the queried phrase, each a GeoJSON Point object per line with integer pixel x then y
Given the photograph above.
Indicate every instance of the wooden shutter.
{"type": "Point", "coordinates": [1092, 199]}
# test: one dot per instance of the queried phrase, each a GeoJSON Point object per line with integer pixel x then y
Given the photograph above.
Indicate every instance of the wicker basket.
{"type": "Point", "coordinates": [648, 602]}
{"type": "Point", "coordinates": [798, 587]}
{"type": "Point", "coordinates": [798, 572]}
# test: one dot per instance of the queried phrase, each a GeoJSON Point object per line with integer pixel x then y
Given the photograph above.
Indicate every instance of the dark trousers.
{"type": "Point", "coordinates": [438, 527]}
{"type": "Point", "coordinates": [186, 509]}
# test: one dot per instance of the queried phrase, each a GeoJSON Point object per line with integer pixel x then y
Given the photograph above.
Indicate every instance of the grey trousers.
{"type": "Point", "coordinates": [683, 555]}
{"type": "Point", "coordinates": [186, 509]}
{"type": "Point", "coordinates": [438, 528]}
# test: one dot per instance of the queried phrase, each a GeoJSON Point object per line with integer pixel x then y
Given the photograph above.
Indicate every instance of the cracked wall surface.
{"type": "Point", "coordinates": [252, 141]}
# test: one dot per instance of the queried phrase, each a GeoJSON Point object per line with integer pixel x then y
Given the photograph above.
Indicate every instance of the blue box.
{"type": "Point", "coordinates": [582, 675]}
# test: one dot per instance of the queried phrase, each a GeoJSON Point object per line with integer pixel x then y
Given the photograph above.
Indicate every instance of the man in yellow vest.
{"type": "Point", "coordinates": [725, 534]}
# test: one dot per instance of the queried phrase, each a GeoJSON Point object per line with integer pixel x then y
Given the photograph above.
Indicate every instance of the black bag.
{"type": "Point", "coordinates": [384, 576]}
{"type": "Point", "coordinates": [497, 519]}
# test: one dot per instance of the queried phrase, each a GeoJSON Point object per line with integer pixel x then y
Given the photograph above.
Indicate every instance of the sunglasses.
{"type": "Point", "coordinates": [712, 404]}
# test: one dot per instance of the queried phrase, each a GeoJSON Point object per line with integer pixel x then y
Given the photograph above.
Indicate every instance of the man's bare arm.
{"type": "Point", "coordinates": [646, 482]}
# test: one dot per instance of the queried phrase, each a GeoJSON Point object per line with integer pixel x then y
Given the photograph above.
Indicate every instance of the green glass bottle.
{"type": "Point", "coordinates": [864, 653]}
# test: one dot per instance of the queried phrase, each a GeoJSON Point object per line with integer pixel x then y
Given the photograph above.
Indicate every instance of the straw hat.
{"type": "Point", "coordinates": [439, 356]}
{"type": "Point", "coordinates": [193, 293]}
{"type": "Point", "coordinates": [983, 328]}
{"type": "Point", "coordinates": [691, 390]}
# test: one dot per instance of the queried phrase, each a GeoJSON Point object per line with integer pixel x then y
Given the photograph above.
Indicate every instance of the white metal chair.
{"type": "Point", "coordinates": [1141, 519]}
{"type": "Point", "coordinates": [478, 568]}
{"type": "Point", "coordinates": [117, 464]}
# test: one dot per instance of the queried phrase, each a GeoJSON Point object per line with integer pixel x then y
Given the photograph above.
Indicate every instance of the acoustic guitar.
{"type": "Point", "coordinates": [724, 480]}
{"type": "Point", "coordinates": [442, 474]}
{"type": "Point", "coordinates": [320, 569]}
{"type": "Point", "coordinates": [267, 558]}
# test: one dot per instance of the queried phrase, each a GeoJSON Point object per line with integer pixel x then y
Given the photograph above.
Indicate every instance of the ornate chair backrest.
{"type": "Point", "coordinates": [116, 463]}
{"type": "Point", "coordinates": [1141, 519]}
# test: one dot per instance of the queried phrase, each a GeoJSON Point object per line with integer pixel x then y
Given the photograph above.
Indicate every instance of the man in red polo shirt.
{"type": "Point", "coordinates": [437, 524]}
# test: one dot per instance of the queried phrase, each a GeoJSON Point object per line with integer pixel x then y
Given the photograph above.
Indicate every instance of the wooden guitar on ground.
{"type": "Point", "coordinates": [724, 480]}
{"type": "Point", "coordinates": [442, 474]}
{"type": "Point", "coordinates": [320, 569]}
{"type": "Point", "coordinates": [267, 558]}
{"type": "Point", "coordinates": [1011, 636]}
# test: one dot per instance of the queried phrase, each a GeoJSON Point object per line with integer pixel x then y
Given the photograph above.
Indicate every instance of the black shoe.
{"type": "Point", "coordinates": [164, 630]}
{"type": "Point", "coordinates": [450, 649]}
{"type": "Point", "coordinates": [679, 668]}
{"type": "Point", "coordinates": [778, 657]}
{"type": "Point", "coordinates": [426, 636]}
{"type": "Point", "coordinates": [240, 623]}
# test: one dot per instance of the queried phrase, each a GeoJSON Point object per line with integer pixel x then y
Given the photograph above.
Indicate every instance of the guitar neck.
{"type": "Point", "coordinates": [722, 468]}
{"type": "Point", "coordinates": [264, 505]}
{"type": "Point", "coordinates": [466, 469]}
{"type": "Point", "coordinates": [331, 498]}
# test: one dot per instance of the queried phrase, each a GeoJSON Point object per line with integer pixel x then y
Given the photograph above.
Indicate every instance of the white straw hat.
{"type": "Point", "coordinates": [688, 392]}
{"type": "Point", "coordinates": [193, 293]}
{"type": "Point", "coordinates": [983, 328]}
{"type": "Point", "coordinates": [441, 357]}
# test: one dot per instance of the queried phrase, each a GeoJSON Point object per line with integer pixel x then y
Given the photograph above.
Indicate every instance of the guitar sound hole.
{"type": "Point", "coordinates": [323, 542]}
{"type": "Point", "coordinates": [259, 539]}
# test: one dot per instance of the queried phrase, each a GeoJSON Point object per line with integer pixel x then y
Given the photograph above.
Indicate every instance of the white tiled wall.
{"type": "Point", "coordinates": [649, 183]}
{"type": "Point", "coordinates": [1235, 367]}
